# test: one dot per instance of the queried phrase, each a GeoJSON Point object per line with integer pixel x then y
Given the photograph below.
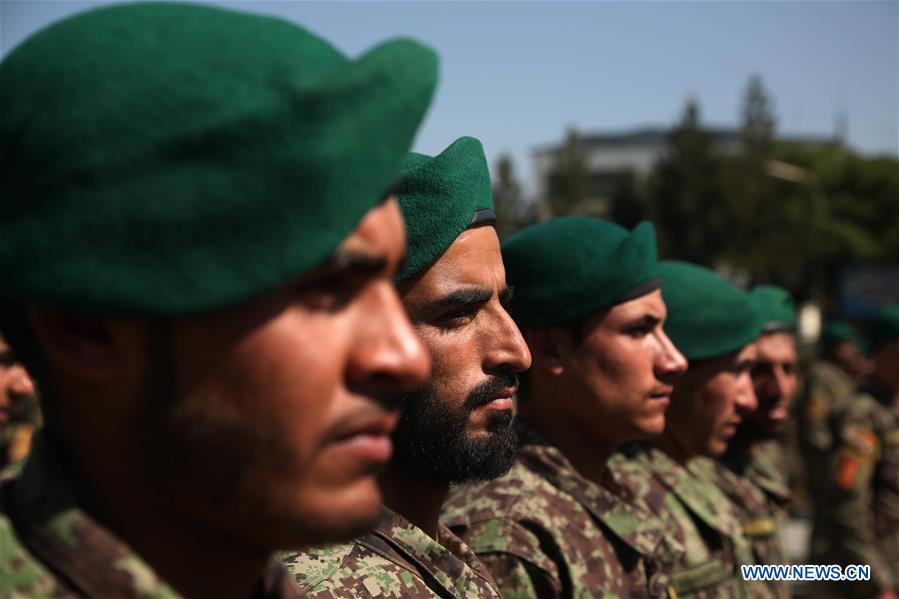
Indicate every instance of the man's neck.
{"type": "Point", "coordinates": [588, 454]}
{"type": "Point", "coordinates": [669, 445]}
{"type": "Point", "coordinates": [413, 498]}
{"type": "Point", "coordinates": [218, 566]}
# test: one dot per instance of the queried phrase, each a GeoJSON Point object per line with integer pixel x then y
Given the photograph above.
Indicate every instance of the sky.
{"type": "Point", "coordinates": [518, 75]}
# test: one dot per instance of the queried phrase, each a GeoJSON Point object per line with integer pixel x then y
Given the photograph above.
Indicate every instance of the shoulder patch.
{"type": "Point", "coordinates": [862, 439]}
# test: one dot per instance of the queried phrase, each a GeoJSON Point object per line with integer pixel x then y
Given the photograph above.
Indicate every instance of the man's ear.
{"type": "Point", "coordinates": [550, 346]}
{"type": "Point", "coordinates": [89, 348]}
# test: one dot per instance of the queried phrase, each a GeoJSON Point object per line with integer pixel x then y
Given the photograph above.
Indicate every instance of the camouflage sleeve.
{"type": "Point", "coordinates": [854, 462]}
{"type": "Point", "coordinates": [516, 559]}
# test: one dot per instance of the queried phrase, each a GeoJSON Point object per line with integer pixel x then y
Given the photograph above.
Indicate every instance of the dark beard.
{"type": "Point", "coordinates": [431, 441]}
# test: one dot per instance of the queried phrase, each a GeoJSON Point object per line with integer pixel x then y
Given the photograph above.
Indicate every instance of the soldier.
{"type": "Point", "coordinates": [860, 522]}
{"type": "Point", "coordinates": [833, 381]}
{"type": "Point", "coordinates": [715, 326]}
{"type": "Point", "coordinates": [757, 452]}
{"type": "Point", "coordinates": [19, 413]}
{"type": "Point", "coordinates": [457, 427]}
{"type": "Point", "coordinates": [587, 298]}
{"type": "Point", "coordinates": [208, 308]}
{"type": "Point", "coordinates": [756, 474]}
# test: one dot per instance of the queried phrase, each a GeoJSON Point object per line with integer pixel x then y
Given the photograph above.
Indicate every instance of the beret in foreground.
{"type": "Point", "coordinates": [442, 196]}
{"type": "Point", "coordinates": [707, 316]}
{"type": "Point", "coordinates": [776, 308]}
{"type": "Point", "coordinates": [165, 159]}
{"type": "Point", "coordinates": [569, 267]}
{"type": "Point", "coordinates": [882, 328]}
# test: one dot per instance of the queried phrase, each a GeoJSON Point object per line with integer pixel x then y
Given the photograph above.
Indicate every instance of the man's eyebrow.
{"type": "Point", "coordinates": [645, 320]}
{"type": "Point", "coordinates": [506, 295]}
{"type": "Point", "coordinates": [360, 263]}
{"type": "Point", "coordinates": [459, 298]}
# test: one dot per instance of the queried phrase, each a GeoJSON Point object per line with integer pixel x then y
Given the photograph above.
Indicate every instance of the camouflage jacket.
{"type": "Point", "coordinates": [763, 464]}
{"type": "Point", "coordinates": [826, 395]}
{"type": "Point", "coordinates": [692, 511]}
{"type": "Point", "coordinates": [15, 435]}
{"type": "Point", "coordinates": [49, 547]}
{"type": "Point", "coordinates": [396, 559]}
{"type": "Point", "coordinates": [860, 521]}
{"type": "Point", "coordinates": [545, 531]}
{"type": "Point", "coordinates": [761, 521]}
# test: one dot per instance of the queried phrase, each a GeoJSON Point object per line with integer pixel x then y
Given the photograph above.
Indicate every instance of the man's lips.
{"type": "Point", "coordinates": [501, 400]}
{"type": "Point", "coordinates": [662, 393]}
{"type": "Point", "coordinates": [730, 428]}
{"type": "Point", "coordinates": [368, 437]}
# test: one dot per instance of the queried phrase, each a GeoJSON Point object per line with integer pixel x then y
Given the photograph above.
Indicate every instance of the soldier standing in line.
{"type": "Point", "coordinates": [755, 477]}
{"type": "Point", "coordinates": [859, 522]}
{"type": "Point", "coordinates": [832, 381]}
{"type": "Point", "coordinates": [19, 411]}
{"type": "Point", "coordinates": [587, 299]}
{"type": "Point", "coordinates": [208, 307]}
{"type": "Point", "coordinates": [757, 451]}
{"type": "Point", "coordinates": [715, 326]}
{"type": "Point", "coordinates": [457, 427]}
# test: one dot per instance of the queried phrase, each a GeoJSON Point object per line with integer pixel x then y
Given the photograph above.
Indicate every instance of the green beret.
{"type": "Point", "coordinates": [707, 316]}
{"type": "Point", "coordinates": [883, 328]}
{"type": "Point", "coordinates": [566, 268]}
{"type": "Point", "coordinates": [838, 331]}
{"type": "Point", "coordinates": [775, 306]}
{"type": "Point", "coordinates": [168, 159]}
{"type": "Point", "coordinates": [442, 196]}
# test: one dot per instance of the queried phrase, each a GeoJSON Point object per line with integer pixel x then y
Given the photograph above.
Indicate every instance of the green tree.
{"type": "Point", "coordinates": [627, 202]}
{"type": "Point", "coordinates": [507, 199]}
{"type": "Point", "coordinates": [568, 184]}
{"type": "Point", "coordinates": [685, 194]}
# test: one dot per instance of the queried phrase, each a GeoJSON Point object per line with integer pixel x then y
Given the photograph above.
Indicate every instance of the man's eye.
{"type": "Point", "coordinates": [639, 331]}
{"type": "Point", "coordinates": [332, 293]}
{"type": "Point", "coordinates": [8, 359]}
{"type": "Point", "coordinates": [454, 320]}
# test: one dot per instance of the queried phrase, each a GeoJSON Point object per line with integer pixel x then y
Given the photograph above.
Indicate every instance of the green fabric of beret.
{"type": "Point", "coordinates": [169, 159]}
{"type": "Point", "coordinates": [776, 308]}
{"type": "Point", "coordinates": [566, 268]}
{"type": "Point", "coordinates": [838, 331]}
{"type": "Point", "coordinates": [882, 328]}
{"type": "Point", "coordinates": [439, 195]}
{"type": "Point", "coordinates": [707, 316]}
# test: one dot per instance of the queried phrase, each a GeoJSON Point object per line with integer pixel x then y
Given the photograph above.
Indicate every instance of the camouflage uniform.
{"type": "Point", "coordinates": [826, 396]}
{"type": "Point", "coordinates": [763, 463]}
{"type": "Point", "coordinates": [760, 518]}
{"type": "Point", "coordinates": [395, 559]}
{"type": "Point", "coordinates": [695, 513]}
{"type": "Point", "coordinates": [15, 435]}
{"type": "Point", "coordinates": [49, 547]}
{"type": "Point", "coordinates": [860, 524]}
{"type": "Point", "coordinates": [545, 531]}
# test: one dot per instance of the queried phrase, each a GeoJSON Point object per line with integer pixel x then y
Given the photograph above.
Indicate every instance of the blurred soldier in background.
{"type": "Point", "coordinates": [456, 428]}
{"type": "Point", "coordinates": [208, 309]}
{"type": "Point", "coordinates": [587, 297]}
{"type": "Point", "coordinates": [715, 325]}
{"type": "Point", "coordinates": [19, 411]}
{"type": "Point", "coordinates": [859, 522]}
{"type": "Point", "coordinates": [831, 383]}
